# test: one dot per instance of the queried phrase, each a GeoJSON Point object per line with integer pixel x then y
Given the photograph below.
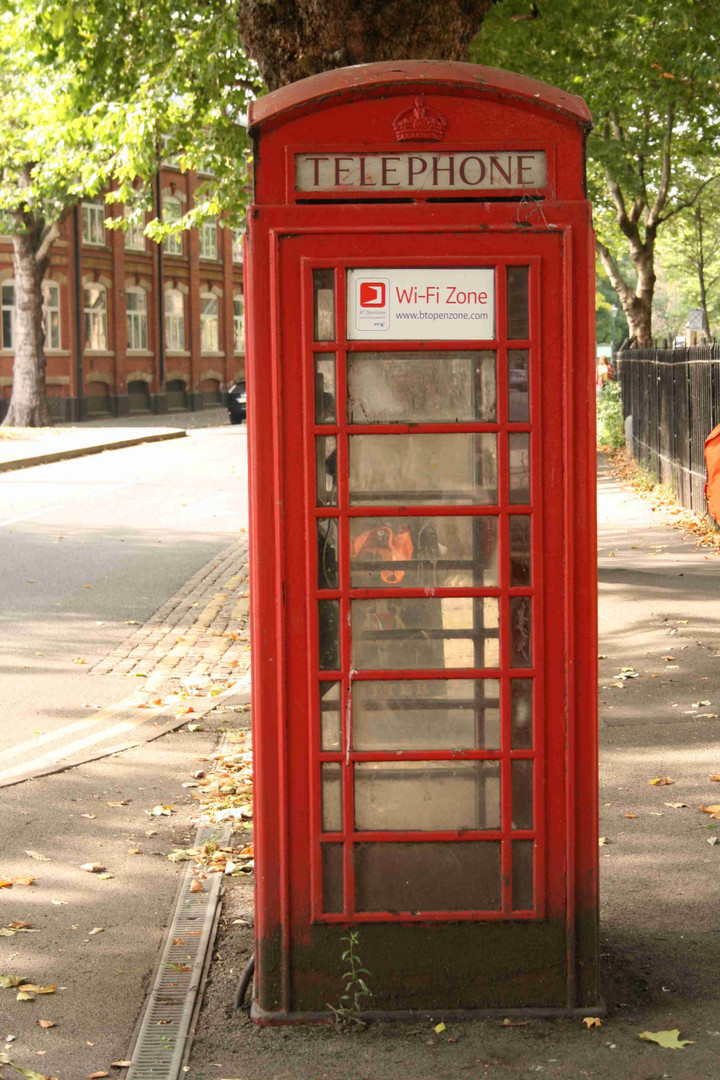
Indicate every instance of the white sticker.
{"type": "Point", "coordinates": [428, 304]}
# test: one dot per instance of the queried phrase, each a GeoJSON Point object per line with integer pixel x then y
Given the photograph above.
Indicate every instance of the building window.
{"type": "Point", "coordinates": [237, 245]}
{"type": "Point", "coordinates": [93, 223]}
{"type": "Point", "coordinates": [209, 323]}
{"type": "Point", "coordinates": [7, 306]}
{"type": "Point", "coordinates": [51, 314]}
{"type": "Point", "coordinates": [136, 308]}
{"type": "Point", "coordinates": [174, 320]}
{"type": "Point", "coordinates": [208, 239]}
{"type": "Point", "coordinates": [95, 305]}
{"type": "Point", "coordinates": [172, 211]}
{"type": "Point", "coordinates": [134, 234]}
{"type": "Point", "coordinates": [239, 324]}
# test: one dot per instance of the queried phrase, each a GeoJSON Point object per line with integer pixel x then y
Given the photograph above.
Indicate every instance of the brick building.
{"type": "Point", "coordinates": [131, 325]}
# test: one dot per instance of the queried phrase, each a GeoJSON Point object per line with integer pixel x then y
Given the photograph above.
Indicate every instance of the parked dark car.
{"type": "Point", "coordinates": [237, 403]}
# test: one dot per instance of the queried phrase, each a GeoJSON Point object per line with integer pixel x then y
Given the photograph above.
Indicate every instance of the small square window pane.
{"type": "Point", "coordinates": [519, 479]}
{"type": "Point", "coordinates": [415, 552]}
{"type": "Point", "coordinates": [426, 714]}
{"type": "Point", "coordinates": [520, 554]}
{"type": "Point", "coordinates": [520, 632]}
{"type": "Point", "coordinates": [326, 464]}
{"type": "Point", "coordinates": [329, 634]}
{"type": "Point", "coordinates": [427, 795]}
{"type": "Point", "coordinates": [453, 876]}
{"type": "Point", "coordinates": [325, 393]}
{"type": "Point", "coordinates": [518, 385]}
{"type": "Point", "coordinates": [330, 722]}
{"type": "Point", "coordinates": [522, 794]}
{"type": "Point", "coordinates": [324, 305]}
{"type": "Point", "coordinates": [331, 775]}
{"type": "Point", "coordinates": [327, 529]}
{"type": "Point", "coordinates": [432, 633]}
{"type": "Point", "coordinates": [445, 469]}
{"type": "Point", "coordinates": [421, 387]}
{"type": "Point", "coordinates": [521, 714]}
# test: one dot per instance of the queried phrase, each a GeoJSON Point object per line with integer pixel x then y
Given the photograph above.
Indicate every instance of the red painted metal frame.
{"type": "Point", "coordinates": [285, 242]}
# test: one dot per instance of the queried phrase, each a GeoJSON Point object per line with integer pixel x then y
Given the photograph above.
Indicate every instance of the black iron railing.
{"type": "Point", "coordinates": [671, 403]}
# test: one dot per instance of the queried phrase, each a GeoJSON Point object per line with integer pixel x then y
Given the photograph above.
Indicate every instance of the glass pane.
{"type": "Point", "coordinates": [517, 302]}
{"type": "Point", "coordinates": [327, 553]}
{"type": "Point", "coordinates": [518, 385]}
{"type": "Point", "coordinates": [325, 388]}
{"type": "Point", "coordinates": [520, 631]}
{"type": "Point", "coordinates": [330, 727]}
{"type": "Point", "coordinates": [326, 461]}
{"type": "Point", "coordinates": [455, 876]}
{"type": "Point", "coordinates": [426, 714]}
{"type": "Point", "coordinates": [519, 448]}
{"type": "Point", "coordinates": [332, 878]}
{"type": "Point", "coordinates": [329, 634]}
{"type": "Point", "coordinates": [427, 795]}
{"type": "Point", "coordinates": [445, 469]}
{"type": "Point", "coordinates": [522, 794]}
{"type": "Point", "coordinates": [520, 561]}
{"type": "Point", "coordinates": [423, 551]}
{"type": "Point", "coordinates": [523, 890]}
{"type": "Point", "coordinates": [331, 774]}
{"type": "Point", "coordinates": [521, 714]}
{"type": "Point", "coordinates": [324, 305]}
{"type": "Point", "coordinates": [421, 387]}
{"type": "Point", "coordinates": [452, 632]}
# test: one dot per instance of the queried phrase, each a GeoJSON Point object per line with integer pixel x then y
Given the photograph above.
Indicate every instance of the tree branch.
{"type": "Point", "coordinates": [50, 235]}
{"type": "Point", "coordinates": [690, 202]}
{"type": "Point", "coordinates": [664, 186]}
{"type": "Point", "coordinates": [617, 281]}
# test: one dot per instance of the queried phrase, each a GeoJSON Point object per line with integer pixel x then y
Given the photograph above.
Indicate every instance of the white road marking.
{"type": "Point", "coordinates": [41, 740]}
{"type": "Point", "coordinates": [66, 751]}
{"type": "Point", "coordinates": [111, 490]}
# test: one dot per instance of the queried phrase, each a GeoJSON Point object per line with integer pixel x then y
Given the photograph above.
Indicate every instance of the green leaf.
{"type": "Point", "coordinates": [669, 1039]}
{"type": "Point", "coordinates": [7, 981]}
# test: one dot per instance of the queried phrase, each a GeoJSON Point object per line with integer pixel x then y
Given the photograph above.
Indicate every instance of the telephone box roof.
{"type": "Point", "coordinates": [395, 77]}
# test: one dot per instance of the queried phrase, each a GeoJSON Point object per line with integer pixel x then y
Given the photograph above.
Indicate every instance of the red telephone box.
{"type": "Point", "coordinates": [422, 448]}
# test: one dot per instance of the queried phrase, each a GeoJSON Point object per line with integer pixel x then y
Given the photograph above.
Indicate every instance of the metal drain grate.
{"type": "Point", "coordinates": [161, 1043]}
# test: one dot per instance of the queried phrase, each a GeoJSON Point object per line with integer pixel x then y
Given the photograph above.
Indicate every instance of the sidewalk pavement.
{"type": "Point", "coordinates": [23, 447]}
{"type": "Point", "coordinates": [660, 865]}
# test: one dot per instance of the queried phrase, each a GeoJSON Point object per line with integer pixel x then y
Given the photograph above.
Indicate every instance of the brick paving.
{"type": "Point", "coordinates": [201, 630]}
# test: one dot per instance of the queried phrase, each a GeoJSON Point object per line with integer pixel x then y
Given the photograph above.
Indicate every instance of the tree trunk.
{"type": "Point", "coordinates": [28, 405]}
{"type": "Point", "coordinates": [291, 39]}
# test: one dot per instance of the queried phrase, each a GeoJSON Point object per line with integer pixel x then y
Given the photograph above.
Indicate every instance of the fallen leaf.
{"type": "Point", "coordinates": [179, 941]}
{"type": "Point", "coordinates": [196, 886]}
{"type": "Point", "coordinates": [181, 855]}
{"type": "Point", "coordinates": [668, 1039]}
{"type": "Point", "coordinates": [132, 622]}
{"type": "Point", "coordinates": [97, 1075]}
{"type": "Point", "coordinates": [31, 988]}
{"type": "Point", "coordinates": [668, 658]}
{"type": "Point", "coordinates": [105, 876]}
{"type": "Point", "coordinates": [662, 781]}
{"type": "Point", "coordinates": [125, 802]}
{"type": "Point", "coordinates": [38, 856]}
{"type": "Point", "coordinates": [677, 805]}
{"type": "Point", "coordinates": [713, 840]}
{"type": "Point", "coordinates": [699, 704]}
{"type": "Point", "coordinates": [716, 777]}
{"type": "Point", "coordinates": [507, 1022]}
{"type": "Point", "coordinates": [134, 851]}
{"type": "Point", "coordinates": [592, 1021]}
{"type": "Point", "coordinates": [79, 660]}
{"type": "Point", "coordinates": [24, 996]}
{"type": "Point", "coordinates": [19, 925]}
{"type": "Point", "coordinates": [93, 867]}
{"type": "Point", "coordinates": [8, 981]}
{"type": "Point", "coordinates": [603, 841]}
{"type": "Point", "coordinates": [45, 1023]}
{"type": "Point", "coordinates": [96, 930]}
{"type": "Point", "coordinates": [23, 881]}
{"type": "Point", "coordinates": [120, 1064]}
{"type": "Point", "coordinates": [630, 815]}
{"type": "Point", "coordinates": [30, 1074]}
{"type": "Point", "coordinates": [91, 816]}
{"type": "Point", "coordinates": [439, 1028]}
{"type": "Point", "coordinates": [713, 811]}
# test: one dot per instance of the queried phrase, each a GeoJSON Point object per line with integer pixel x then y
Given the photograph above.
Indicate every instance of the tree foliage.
{"type": "Point", "coordinates": [648, 71]}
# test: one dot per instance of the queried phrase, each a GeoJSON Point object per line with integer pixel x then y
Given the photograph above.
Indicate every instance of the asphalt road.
{"type": "Point", "coordinates": [90, 546]}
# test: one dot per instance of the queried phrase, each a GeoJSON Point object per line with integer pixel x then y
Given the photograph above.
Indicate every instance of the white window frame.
{"type": "Point", "coordinates": [174, 323]}
{"type": "Point", "coordinates": [209, 323]}
{"type": "Point", "coordinates": [208, 238]}
{"type": "Point", "coordinates": [172, 211]}
{"type": "Point", "coordinates": [134, 234]}
{"type": "Point", "coordinates": [93, 223]}
{"type": "Point", "coordinates": [51, 292]}
{"type": "Point", "coordinates": [136, 319]}
{"type": "Point", "coordinates": [239, 323]}
{"type": "Point", "coordinates": [8, 315]}
{"type": "Point", "coordinates": [95, 318]}
{"type": "Point", "coordinates": [237, 245]}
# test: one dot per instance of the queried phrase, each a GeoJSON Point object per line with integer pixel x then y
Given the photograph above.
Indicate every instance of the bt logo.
{"type": "Point", "coordinates": [373, 294]}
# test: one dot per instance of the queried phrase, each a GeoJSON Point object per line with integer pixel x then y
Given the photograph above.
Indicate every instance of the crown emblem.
{"type": "Point", "coordinates": [419, 123]}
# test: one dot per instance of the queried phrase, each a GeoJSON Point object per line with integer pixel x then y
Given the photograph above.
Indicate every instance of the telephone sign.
{"type": "Point", "coordinates": [423, 577]}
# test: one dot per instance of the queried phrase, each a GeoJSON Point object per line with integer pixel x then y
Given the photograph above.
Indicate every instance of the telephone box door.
{"type": "Point", "coordinates": [425, 524]}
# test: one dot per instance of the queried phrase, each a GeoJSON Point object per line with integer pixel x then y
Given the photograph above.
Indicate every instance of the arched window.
{"type": "Point", "coordinates": [51, 314]}
{"type": "Point", "coordinates": [209, 323]}
{"type": "Point", "coordinates": [137, 328]}
{"type": "Point", "coordinates": [135, 233]}
{"type": "Point", "coordinates": [174, 320]}
{"type": "Point", "coordinates": [239, 324]}
{"type": "Point", "coordinates": [208, 239]}
{"type": "Point", "coordinates": [93, 222]}
{"type": "Point", "coordinates": [95, 307]}
{"type": "Point", "coordinates": [8, 313]}
{"type": "Point", "coordinates": [172, 211]}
